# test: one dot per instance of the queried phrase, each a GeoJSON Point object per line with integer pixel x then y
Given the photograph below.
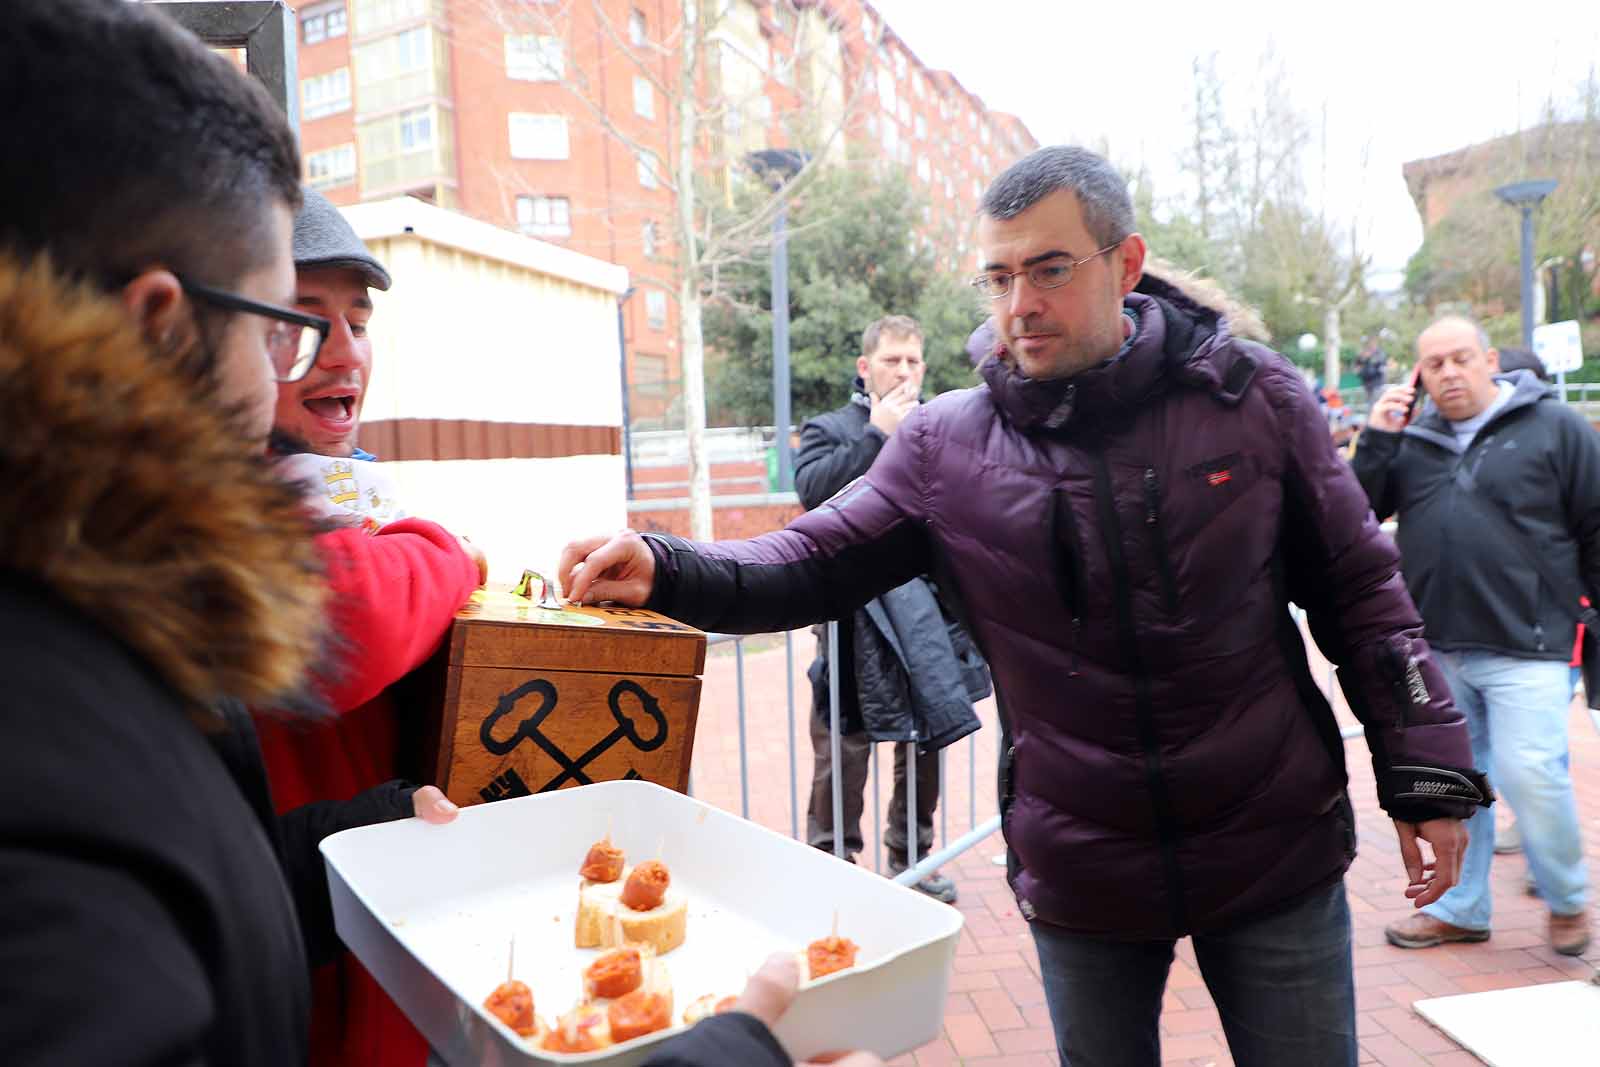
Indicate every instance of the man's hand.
{"type": "Point", "coordinates": [1389, 413]}
{"type": "Point", "coordinates": [620, 568]}
{"type": "Point", "coordinates": [433, 806]}
{"type": "Point", "coordinates": [768, 995]}
{"type": "Point", "coordinates": [892, 407]}
{"type": "Point", "coordinates": [1429, 880]}
{"type": "Point", "coordinates": [477, 557]}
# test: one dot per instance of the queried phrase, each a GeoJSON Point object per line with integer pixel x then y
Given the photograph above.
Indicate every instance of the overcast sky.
{"type": "Point", "coordinates": [1401, 79]}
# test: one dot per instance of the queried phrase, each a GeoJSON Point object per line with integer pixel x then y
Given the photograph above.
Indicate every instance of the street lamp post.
{"type": "Point", "coordinates": [627, 417]}
{"type": "Point", "coordinates": [1526, 196]}
{"type": "Point", "coordinates": [778, 165]}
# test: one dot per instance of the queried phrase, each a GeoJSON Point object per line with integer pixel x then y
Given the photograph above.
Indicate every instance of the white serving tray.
{"type": "Point", "coordinates": [431, 911]}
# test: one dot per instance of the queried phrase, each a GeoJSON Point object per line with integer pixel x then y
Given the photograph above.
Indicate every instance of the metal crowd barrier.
{"type": "Point", "coordinates": [946, 852]}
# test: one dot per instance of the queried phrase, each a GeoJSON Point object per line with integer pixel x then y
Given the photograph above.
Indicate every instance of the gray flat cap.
{"type": "Point", "coordinates": [322, 238]}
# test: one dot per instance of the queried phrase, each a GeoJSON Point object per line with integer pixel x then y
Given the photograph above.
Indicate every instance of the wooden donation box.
{"type": "Point", "coordinates": [538, 698]}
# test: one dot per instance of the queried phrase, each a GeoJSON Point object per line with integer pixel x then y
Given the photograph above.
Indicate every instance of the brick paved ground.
{"type": "Point", "coordinates": [995, 1012]}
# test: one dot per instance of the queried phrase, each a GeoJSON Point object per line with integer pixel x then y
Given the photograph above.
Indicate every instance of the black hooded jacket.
{"type": "Point", "coordinates": [1530, 476]}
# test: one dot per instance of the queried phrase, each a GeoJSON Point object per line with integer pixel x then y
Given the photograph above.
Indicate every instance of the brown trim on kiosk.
{"type": "Point", "coordinates": [442, 439]}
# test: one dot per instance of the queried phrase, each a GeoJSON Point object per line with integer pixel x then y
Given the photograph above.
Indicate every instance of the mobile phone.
{"type": "Point", "coordinates": [1416, 394]}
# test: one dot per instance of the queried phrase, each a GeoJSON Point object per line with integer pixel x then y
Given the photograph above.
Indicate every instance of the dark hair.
{"type": "Point", "coordinates": [1102, 192]}
{"type": "Point", "coordinates": [903, 327]}
{"type": "Point", "coordinates": [129, 143]}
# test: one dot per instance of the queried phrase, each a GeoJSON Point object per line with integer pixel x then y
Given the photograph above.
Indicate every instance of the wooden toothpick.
{"type": "Point", "coordinates": [511, 962]}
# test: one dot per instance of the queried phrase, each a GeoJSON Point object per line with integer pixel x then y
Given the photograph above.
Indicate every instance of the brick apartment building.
{"type": "Point", "coordinates": [552, 119]}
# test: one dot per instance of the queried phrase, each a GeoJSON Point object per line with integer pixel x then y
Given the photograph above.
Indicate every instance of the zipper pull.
{"type": "Point", "coordinates": [1150, 496]}
{"type": "Point", "coordinates": [1077, 629]}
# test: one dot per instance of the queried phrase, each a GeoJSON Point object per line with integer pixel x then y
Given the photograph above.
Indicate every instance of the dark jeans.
{"type": "Point", "coordinates": [855, 751]}
{"type": "Point", "coordinates": [1283, 985]}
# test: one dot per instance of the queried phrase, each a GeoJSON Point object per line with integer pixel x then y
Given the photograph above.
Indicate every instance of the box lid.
{"type": "Point", "coordinates": [501, 629]}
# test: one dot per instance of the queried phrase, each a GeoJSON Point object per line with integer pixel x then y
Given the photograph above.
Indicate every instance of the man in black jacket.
{"type": "Point", "coordinates": [1497, 486]}
{"type": "Point", "coordinates": [880, 696]}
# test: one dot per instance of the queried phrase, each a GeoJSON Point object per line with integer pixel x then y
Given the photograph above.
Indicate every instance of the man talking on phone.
{"type": "Point", "coordinates": [1497, 486]}
{"type": "Point", "coordinates": [922, 699]}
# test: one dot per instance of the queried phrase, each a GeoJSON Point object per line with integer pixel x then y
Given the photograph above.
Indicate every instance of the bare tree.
{"type": "Point", "coordinates": [714, 70]}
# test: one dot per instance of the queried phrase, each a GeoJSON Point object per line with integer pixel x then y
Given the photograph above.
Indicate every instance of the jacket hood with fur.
{"type": "Point", "coordinates": [128, 496]}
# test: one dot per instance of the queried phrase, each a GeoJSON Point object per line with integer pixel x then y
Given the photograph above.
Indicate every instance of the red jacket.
{"type": "Point", "coordinates": [394, 594]}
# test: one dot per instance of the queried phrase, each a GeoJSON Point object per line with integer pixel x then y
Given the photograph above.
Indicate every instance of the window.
{"type": "Point", "coordinates": [326, 94]}
{"type": "Point", "coordinates": [649, 169]}
{"type": "Point", "coordinates": [544, 216]}
{"type": "Point", "coordinates": [538, 136]}
{"type": "Point", "coordinates": [532, 58]}
{"type": "Point", "coordinates": [373, 16]}
{"type": "Point", "coordinates": [411, 50]}
{"type": "Point", "coordinates": [733, 120]}
{"type": "Point", "coordinates": [647, 237]}
{"type": "Point", "coordinates": [655, 309]}
{"type": "Point", "coordinates": [886, 88]}
{"type": "Point", "coordinates": [335, 166]}
{"type": "Point", "coordinates": [322, 22]}
{"type": "Point", "coordinates": [923, 171]}
{"type": "Point", "coordinates": [983, 133]}
{"type": "Point", "coordinates": [644, 98]}
{"type": "Point", "coordinates": [416, 130]}
{"type": "Point", "coordinates": [917, 87]}
{"type": "Point", "coordinates": [904, 111]}
{"type": "Point", "coordinates": [891, 139]}
{"type": "Point", "coordinates": [762, 106]}
{"type": "Point", "coordinates": [637, 29]}
{"type": "Point", "coordinates": [922, 127]}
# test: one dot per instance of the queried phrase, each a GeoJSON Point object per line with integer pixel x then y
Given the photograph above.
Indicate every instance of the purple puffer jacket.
{"type": "Point", "coordinates": [1123, 546]}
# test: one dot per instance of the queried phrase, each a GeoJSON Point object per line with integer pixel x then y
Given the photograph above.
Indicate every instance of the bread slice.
{"type": "Point", "coordinates": [662, 928]}
{"type": "Point", "coordinates": [605, 922]}
{"type": "Point", "coordinates": [597, 902]}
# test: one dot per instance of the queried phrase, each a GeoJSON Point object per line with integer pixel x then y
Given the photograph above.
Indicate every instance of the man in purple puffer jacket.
{"type": "Point", "coordinates": [1124, 511]}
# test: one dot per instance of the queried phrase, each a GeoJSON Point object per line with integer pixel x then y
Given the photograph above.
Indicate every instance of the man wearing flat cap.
{"type": "Point", "coordinates": [397, 582]}
{"type": "Point", "coordinates": [333, 271]}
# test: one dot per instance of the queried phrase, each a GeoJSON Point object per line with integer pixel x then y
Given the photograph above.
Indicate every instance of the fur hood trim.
{"type": "Point", "coordinates": [128, 495]}
{"type": "Point", "coordinates": [1242, 320]}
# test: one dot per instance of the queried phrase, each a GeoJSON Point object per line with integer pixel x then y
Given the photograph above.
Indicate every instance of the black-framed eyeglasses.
{"type": "Point", "coordinates": [1051, 274]}
{"type": "Point", "coordinates": [295, 339]}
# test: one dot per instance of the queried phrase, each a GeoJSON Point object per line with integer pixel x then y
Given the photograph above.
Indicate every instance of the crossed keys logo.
{"type": "Point", "coordinates": [645, 728]}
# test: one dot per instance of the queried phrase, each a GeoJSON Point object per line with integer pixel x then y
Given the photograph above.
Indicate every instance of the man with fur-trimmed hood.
{"type": "Point", "coordinates": [156, 574]}
{"type": "Point", "coordinates": [1122, 513]}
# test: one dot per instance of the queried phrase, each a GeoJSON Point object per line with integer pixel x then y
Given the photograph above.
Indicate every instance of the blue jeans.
{"type": "Point", "coordinates": [1283, 986]}
{"type": "Point", "coordinates": [1516, 710]}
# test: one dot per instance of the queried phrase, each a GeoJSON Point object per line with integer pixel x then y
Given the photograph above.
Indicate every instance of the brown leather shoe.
{"type": "Point", "coordinates": [1569, 934]}
{"type": "Point", "coordinates": [1424, 931]}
